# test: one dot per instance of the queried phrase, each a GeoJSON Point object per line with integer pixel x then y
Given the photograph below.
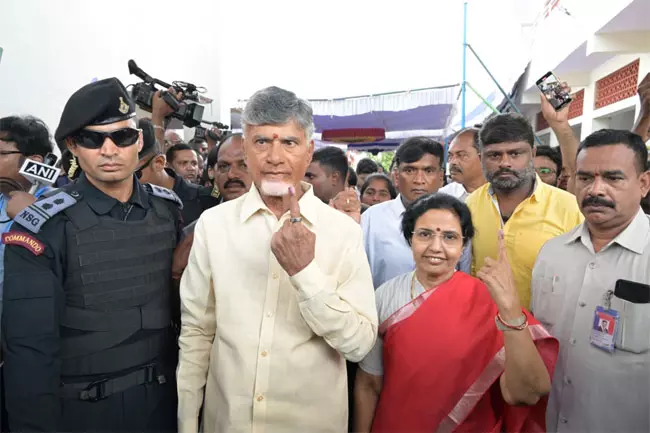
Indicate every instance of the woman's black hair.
{"type": "Point", "coordinates": [382, 176]}
{"type": "Point", "coordinates": [29, 133]}
{"type": "Point", "coordinates": [437, 201]}
{"type": "Point", "coordinates": [352, 177]}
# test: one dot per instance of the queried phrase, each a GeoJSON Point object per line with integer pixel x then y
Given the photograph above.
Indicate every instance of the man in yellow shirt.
{"type": "Point", "coordinates": [516, 201]}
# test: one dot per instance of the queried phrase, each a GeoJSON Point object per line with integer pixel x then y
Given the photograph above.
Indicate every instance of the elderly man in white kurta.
{"type": "Point", "coordinates": [277, 293]}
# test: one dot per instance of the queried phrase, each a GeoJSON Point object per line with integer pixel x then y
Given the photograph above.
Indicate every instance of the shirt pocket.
{"type": "Point", "coordinates": [547, 301]}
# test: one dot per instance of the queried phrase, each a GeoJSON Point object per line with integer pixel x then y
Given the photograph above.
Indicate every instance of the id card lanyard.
{"type": "Point", "coordinates": [605, 326]}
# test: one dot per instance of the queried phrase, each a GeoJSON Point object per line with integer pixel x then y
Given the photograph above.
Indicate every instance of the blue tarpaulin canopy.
{"type": "Point", "coordinates": [400, 114]}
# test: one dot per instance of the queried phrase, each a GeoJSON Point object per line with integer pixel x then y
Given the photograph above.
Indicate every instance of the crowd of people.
{"type": "Point", "coordinates": [250, 282]}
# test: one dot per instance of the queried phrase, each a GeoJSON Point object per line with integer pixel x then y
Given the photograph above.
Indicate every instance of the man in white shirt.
{"type": "Point", "coordinates": [595, 389]}
{"type": "Point", "coordinates": [419, 172]}
{"type": "Point", "coordinates": [277, 293]}
{"type": "Point", "coordinates": [465, 168]}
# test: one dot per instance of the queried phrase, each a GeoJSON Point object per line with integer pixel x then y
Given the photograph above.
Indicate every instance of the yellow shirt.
{"type": "Point", "coordinates": [268, 350]}
{"type": "Point", "coordinates": [547, 213]}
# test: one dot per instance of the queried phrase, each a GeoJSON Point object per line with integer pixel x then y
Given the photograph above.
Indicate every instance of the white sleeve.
{"type": "Point", "coordinates": [341, 309]}
{"type": "Point", "coordinates": [373, 363]}
{"type": "Point", "coordinates": [198, 328]}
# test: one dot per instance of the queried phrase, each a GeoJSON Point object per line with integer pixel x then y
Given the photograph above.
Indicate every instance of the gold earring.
{"type": "Point", "coordinates": [73, 167]}
{"type": "Point", "coordinates": [215, 191]}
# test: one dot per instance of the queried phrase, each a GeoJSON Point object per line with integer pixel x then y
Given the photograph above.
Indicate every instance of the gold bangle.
{"type": "Point", "coordinates": [502, 325]}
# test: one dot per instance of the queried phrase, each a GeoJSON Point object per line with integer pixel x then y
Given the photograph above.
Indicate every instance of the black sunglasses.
{"type": "Point", "coordinates": [124, 137]}
{"type": "Point", "coordinates": [138, 172]}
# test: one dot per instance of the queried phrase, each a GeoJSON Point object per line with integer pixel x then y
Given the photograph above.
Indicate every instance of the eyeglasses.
{"type": "Point", "coordinates": [545, 171]}
{"type": "Point", "coordinates": [124, 137]}
{"type": "Point", "coordinates": [9, 152]}
{"type": "Point", "coordinates": [138, 172]}
{"type": "Point", "coordinates": [448, 238]}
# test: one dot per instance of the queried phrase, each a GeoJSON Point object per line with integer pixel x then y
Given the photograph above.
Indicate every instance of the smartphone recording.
{"type": "Point", "coordinates": [551, 88]}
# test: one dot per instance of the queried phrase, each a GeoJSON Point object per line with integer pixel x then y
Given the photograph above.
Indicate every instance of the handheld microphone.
{"type": "Point", "coordinates": [40, 174]}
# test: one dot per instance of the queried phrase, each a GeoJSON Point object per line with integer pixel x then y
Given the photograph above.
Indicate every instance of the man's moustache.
{"type": "Point", "coordinates": [506, 171]}
{"type": "Point", "coordinates": [597, 201]}
{"type": "Point", "coordinates": [234, 182]}
{"type": "Point", "coordinates": [455, 168]}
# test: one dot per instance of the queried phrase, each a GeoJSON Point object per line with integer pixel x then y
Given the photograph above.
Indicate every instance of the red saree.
{"type": "Point", "coordinates": [443, 357]}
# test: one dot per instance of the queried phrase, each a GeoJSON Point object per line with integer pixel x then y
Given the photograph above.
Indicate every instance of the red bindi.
{"type": "Point", "coordinates": [275, 136]}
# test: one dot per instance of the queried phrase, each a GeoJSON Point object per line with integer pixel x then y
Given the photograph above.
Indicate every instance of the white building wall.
{"type": "Point", "coordinates": [52, 48]}
{"type": "Point", "coordinates": [557, 36]}
{"type": "Point", "coordinates": [619, 115]}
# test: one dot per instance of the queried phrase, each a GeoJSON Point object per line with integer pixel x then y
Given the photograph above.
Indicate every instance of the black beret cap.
{"type": "Point", "coordinates": [99, 103]}
{"type": "Point", "coordinates": [148, 138]}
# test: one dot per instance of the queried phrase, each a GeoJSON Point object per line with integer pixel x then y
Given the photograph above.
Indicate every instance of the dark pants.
{"type": "Point", "coordinates": [143, 408]}
{"type": "Point", "coordinates": [352, 372]}
{"type": "Point", "coordinates": [3, 412]}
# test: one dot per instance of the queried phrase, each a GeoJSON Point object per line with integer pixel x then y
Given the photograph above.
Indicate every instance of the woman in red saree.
{"type": "Point", "coordinates": [454, 353]}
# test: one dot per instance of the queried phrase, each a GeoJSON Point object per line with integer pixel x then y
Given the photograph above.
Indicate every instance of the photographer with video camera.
{"type": "Point", "coordinates": [213, 136]}
{"type": "Point", "coordinates": [160, 112]}
{"type": "Point", "coordinates": [152, 169]}
{"type": "Point", "coordinates": [182, 100]}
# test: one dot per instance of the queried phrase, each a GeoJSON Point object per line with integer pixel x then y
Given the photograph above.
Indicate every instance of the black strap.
{"type": "Point", "coordinates": [100, 321]}
{"type": "Point", "coordinates": [101, 389]}
{"type": "Point", "coordinates": [81, 216]}
{"type": "Point", "coordinates": [93, 342]}
{"type": "Point", "coordinates": [162, 209]}
{"type": "Point", "coordinates": [121, 357]}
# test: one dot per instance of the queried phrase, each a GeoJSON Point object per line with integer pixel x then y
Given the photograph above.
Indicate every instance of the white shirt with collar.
{"type": "Point", "coordinates": [388, 252]}
{"type": "Point", "coordinates": [267, 350]}
{"type": "Point", "coordinates": [592, 390]}
{"type": "Point", "coordinates": [455, 189]}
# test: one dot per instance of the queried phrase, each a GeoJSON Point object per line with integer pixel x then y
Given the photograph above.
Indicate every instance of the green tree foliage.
{"type": "Point", "coordinates": [384, 159]}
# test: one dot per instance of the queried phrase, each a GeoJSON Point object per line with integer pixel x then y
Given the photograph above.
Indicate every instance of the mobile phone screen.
{"type": "Point", "coordinates": [550, 87]}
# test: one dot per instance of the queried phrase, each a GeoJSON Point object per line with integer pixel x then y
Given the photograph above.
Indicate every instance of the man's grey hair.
{"type": "Point", "coordinates": [275, 106]}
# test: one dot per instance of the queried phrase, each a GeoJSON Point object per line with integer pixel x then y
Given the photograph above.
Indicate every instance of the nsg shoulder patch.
{"type": "Point", "coordinates": [35, 215]}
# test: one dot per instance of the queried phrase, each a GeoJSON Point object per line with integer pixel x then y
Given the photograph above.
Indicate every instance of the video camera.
{"type": "Point", "coordinates": [215, 134]}
{"type": "Point", "coordinates": [190, 114]}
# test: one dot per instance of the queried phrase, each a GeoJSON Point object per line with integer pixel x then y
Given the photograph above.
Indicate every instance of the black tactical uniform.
{"type": "Point", "coordinates": [195, 198]}
{"type": "Point", "coordinates": [88, 341]}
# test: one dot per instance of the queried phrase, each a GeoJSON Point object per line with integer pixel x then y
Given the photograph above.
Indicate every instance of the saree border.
{"type": "Point", "coordinates": [482, 384]}
{"type": "Point", "coordinates": [405, 311]}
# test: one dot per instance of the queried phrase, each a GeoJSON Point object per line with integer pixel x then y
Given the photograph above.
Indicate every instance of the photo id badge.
{"type": "Point", "coordinates": [604, 329]}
